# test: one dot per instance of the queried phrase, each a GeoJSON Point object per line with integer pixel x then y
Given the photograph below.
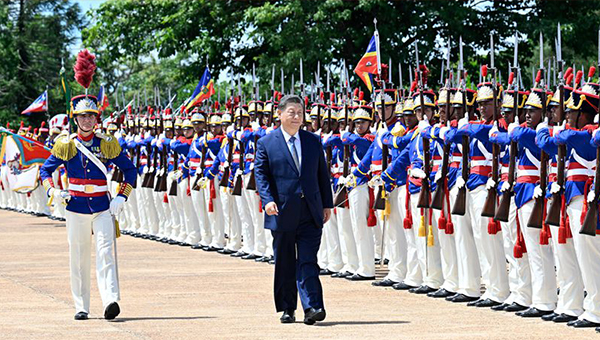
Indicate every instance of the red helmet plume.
{"type": "Point", "coordinates": [84, 68]}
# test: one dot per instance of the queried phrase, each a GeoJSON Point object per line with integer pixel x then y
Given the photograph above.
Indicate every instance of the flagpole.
{"type": "Point", "coordinates": [47, 103]}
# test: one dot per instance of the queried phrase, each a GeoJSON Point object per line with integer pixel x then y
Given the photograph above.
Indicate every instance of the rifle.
{"type": "Point", "coordinates": [341, 196]}
{"type": "Point", "coordinates": [226, 172]}
{"type": "Point", "coordinates": [504, 207]}
{"type": "Point", "coordinates": [196, 187]}
{"type": "Point", "coordinates": [252, 180]}
{"type": "Point", "coordinates": [489, 207]}
{"type": "Point", "coordinates": [437, 201]}
{"type": "Point", "coordinates": [536, 219]}
{"type": "Point", "coordinates": [590, 223]}
{"type": "Point", "coordinates": [460, 204]}
{"type": "Point", "coordinates": [553, 216]}
{"type": "Point", "coordinates": [237, 187]}
{"type": "Point", "coordinates": [424, 199]}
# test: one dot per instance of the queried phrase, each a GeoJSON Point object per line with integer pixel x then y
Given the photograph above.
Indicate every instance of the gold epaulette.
{"type": "Point", "coordinates": [64, 148]}
{"type": "Point", "coordinates": [109, 146]}
{"type": "Point", "coordinates": [398, 130]}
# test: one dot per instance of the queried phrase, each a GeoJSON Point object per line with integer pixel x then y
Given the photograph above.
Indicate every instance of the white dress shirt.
{"type": "Point", "coordinates": [287, 137]}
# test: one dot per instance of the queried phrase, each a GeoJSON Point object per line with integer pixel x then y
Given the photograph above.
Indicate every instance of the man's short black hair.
{"type": "Point", "coordinates": [289, 99]}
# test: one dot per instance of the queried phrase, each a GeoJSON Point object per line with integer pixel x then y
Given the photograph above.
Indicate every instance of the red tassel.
{"type": "Point", "coordinates": [568, 227]}
{"type": "Point", "coordinates": [165, 198]}
{"type": "Point", "coordinates": [562, 228]}
{"type": "Point", "coordinates": [211, 207]}
{"type": "Point", "coordinates": [28, 194]}
{"type": "Point", "coordinates": [442, 224]}
{"type": "Point", "coordinates": [492, 227]}
{"type": "Point", "coordinates": [372, 219]}
{"type": "Point", "coordinates": [518, 249]}
{"type": "Point", "coordinates": [260, 206]}
{"type": "Point", "coordinates": [449, 228]}
{"type": "Point", "coordinates": [544, 237]}
{"type": "Point", "coordinates": [408, 222]}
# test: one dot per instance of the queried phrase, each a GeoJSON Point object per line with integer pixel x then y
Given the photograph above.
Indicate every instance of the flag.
{"type": "Point", "coordinates": [367, 65]}
{"type": "Point", "coordinates": [21, 158]}
{"type": "Point", "coordinates": [204, 90]}
{"type": "Point", "coordinates": [66, 90]}
{"type": "Point", "coordinates": [38, 105]}
{"type": "Point", "coordinates": [102, 99]}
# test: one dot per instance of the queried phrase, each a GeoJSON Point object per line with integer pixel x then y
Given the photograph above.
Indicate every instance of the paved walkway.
{"type": "Point", "coordinates": [171, 292]}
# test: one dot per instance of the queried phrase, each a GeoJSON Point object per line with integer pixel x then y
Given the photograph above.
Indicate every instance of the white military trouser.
{"type": "Point", "coordinates": [468, 269]}
{"type": "Point", "coordinates": [541, 264]}
{"type": "Point", "coordinates": [414, 275]}
{"type": "Point", "coordinates": [587, 249]}
{"type": "Point", "coordinates": [179, 234]}
{"type": "Point", "coordinates": [363, 234]}
{"type": "Point", "coordinates": [79, 232]}
{"type": "Point", "coordinates": [199, 206]}
{"type": "Point", "coordinates": [246, 222]}
{"type": "Point", "coordinates": [519, 272]}
{"type": "Point", "coordinates": [395, 236]}
{"type": "Point", "coordinates": [489, 248]}
{"type": "Point", "coordinates": [568, 274]}
{"type": "Point", "coordinates": [260, 240]}
{"type": "Point", "coordinates": [215, 218]}
{"type": "Point", "coordinates": [231, 218]}
{"type": "Point", "coordinates": [334, 253]}
{"type": "Point", "coordinates": [191, 224]}
{"type": "Point", "coordinates": [429, 258]}
{"type": "Point", "coordinates": [347, 243]}
{"type": "Point", "coordinates": [447, 251]}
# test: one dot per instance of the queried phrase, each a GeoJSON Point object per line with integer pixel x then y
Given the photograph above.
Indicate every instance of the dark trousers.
{"type": "Point", "coordinates": [296, 268]}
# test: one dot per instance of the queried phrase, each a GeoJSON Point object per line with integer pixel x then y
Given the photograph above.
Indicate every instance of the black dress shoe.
{"type": "Point", "coordinates": [550, 317]}
{"type": "Point", "coordinates": [358, 277]}
{"type": "Point", "coordinates": [488, 303]}
{"type": "Point", "coordinates": [250, 257]}
{"type": "Point", "coordinates": [597, 329]}
{"type": "Point", "coordinates": [533, 312]}
{"type": "Point", "coordinates": [561, 318]}
{"type": "Point", "coordinates": [582, 324]}
{"type": "Point", "coordinates": [272, 261]}
{"type": "Point", "coordinates": [377, 261]}
{"type": "Point", "coordinates": [402, 286]}
{"type": "Point", "coordinates": [514, 307]}
{"type": "Point", "coordinates": [288, 317]}
{"type": "Point", "coordinates": [197, 246]}
{"type": "Point", "coordinates": [325, 272]}
{"type": "Point", "coordinates": [111, 311]}
{"type": "Point", "coordinates": [384, 283]}
{"type": "Point", "coordinates": [211, 248]}
{"type": "Point", "coordinates": [440, 293]}
{"type": "Point", "coordinates": [312, 315]}
{"type": "Point", "coordinates": [239, 254]}
{"type": "Point", "coordinates": [500, 307]}
{"type": "Point", "coordinates": [341, 275]}
{"type": "Point", "coordinates": [184, 244]}
{"type": "Point", "coordinates": [462, 298]}
{"type": "Point", "coordinates": [262, 259]}
{"type": "Point", "coordinates": [475, 302]}
{"type": "Point", "coordinates": [422, 290]}
{"type": "Point", "coordinates": [225, 251]}
{"type": "Point", "coordinates": [81, 316]}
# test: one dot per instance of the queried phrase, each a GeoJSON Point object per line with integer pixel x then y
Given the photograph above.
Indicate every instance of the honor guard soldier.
{"type": "Point", "coordinates": [90, 209]}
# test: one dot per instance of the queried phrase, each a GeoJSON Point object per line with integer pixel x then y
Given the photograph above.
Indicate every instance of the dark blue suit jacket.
{"type": "Point", "coordinates": [278, 180]}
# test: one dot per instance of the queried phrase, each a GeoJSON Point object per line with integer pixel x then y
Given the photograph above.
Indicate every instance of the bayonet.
{"type": "Point", "coordinates": [301, 78]}
{"type": "Point", "coordinates": [282, 83]}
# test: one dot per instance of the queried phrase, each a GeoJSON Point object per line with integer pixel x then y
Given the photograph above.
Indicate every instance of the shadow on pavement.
{"type": "Point", "coordinates": [142, 318]}
{"type": "Point", "coordinates": [339, 323]}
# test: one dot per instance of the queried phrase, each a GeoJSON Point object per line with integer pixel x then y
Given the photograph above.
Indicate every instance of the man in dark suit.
{"type": "Point", "coordinates": [293, 181]}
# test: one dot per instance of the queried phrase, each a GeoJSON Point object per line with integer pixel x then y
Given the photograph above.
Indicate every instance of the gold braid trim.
{"type": "Point", "coordinates": [125, 189]}
{"type": "Point", "coordinates": [109, 146]}
{"type": "Point", "coordinates": [64, 148]}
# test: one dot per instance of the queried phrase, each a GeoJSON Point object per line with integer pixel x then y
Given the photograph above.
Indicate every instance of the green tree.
{"type": "Point", "coordinates": [34, 38]}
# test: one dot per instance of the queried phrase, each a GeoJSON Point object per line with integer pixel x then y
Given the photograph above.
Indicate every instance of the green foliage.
{"type": "Point", "coordinates": [34, 37]}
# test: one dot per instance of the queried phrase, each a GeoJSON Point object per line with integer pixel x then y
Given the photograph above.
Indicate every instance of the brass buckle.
{"type": "Point", "coordinates": [88, 189]}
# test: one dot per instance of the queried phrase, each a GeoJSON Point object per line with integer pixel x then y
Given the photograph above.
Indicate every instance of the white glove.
{"type": "Point", "coordinates": [225, 164]}
{"type": "Point", "coordinates": [229, 129]}
{"type": "Point", "coordinates": [555, 188]}
{"type": "Point", "coordinates": [512, 126]}
{"type": "Point", "coordinates": [438, 176]}
{"type": "Point", "coordinates": [594, 133]}
{"type": "Point", "coordinates": [239, 172]}
{"type": "Point", "coordinates": [423, 124]}
{"type": "Point", "coordinates": [417, 173]}
{"type": "Point", "coordinates": [202, 182]}
{"type": "Point", "coordinates": [177, 174]}
{"type": "Point", "coordinates": [146, 134]}
{"type": "Point", "coordinates": [591, 196]}
{"type": "Point", "coordinates": [542, 125]}
{"type": "Point", "coordinates": [172, 142]}
{"type": "Point", "coordinates": [138, 138]}
{"type": "Point", "coordinates": [255, 126]}
{"type": "Point", "coordinates": [537, 192]}
{"type": "Point", "coordinates": [462, 122]}
{"type": "Point", "coordinates": [342, 180]}
{"type": "Point", "coordinates": [505, 186]}
{"type": "Point", "coordinates": [151, 169]}
{"type": "Point", "coordinates": [145, 170]}
{"type": "Point", "coordinates": [375, 181]}
{"type": "Point", "coordinates": [460, 182]}
{"type": "Point", "coordinates": [443, 131]}
{"type": "Point", "coordinates": [493, 130]}
{"type": "Point", "coordinates": [559, 128]}
{"type": "Point", "coordinates": [62, 196]}
{"type": "Point", "coordinates": [350, 181]}
{"type": "Point", "coordinates": [490, 183]}
{"type": "Point", "coordinates": [116, 205]}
